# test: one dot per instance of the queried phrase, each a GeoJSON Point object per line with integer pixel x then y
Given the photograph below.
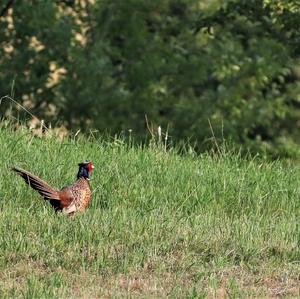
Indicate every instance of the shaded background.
{"type": "Point", "coordinates": [106, 64]}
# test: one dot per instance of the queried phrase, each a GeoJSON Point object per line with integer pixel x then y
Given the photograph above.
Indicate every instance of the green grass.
{"type": "Point", "coordinates": [159, 224]}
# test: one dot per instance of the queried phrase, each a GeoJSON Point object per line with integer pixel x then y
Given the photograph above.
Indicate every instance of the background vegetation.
{"type": "Point", "coordinates": [215, 224]}
{"type": "Point", "coordinates": [159, 224]}
{"type": "Point", "coordinates": [105, 64]}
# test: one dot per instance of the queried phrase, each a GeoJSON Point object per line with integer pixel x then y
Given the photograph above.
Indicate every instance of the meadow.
{"type": "Point", "coordinates": [160, 224]}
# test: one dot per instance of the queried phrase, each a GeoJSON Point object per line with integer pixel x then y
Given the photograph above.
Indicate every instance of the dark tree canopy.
{"type": "Point", "coordinates": [105, 64]}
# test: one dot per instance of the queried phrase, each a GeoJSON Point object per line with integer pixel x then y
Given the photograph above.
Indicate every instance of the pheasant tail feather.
{"type": "Point", "coordinates": [37, 184]}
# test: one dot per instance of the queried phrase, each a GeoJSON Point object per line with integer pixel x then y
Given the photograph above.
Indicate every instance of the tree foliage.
{"type": "Point", "coordinates": [105, 64]}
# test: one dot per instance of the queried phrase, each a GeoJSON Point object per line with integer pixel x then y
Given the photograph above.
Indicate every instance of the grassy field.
{"type": "Point", "coordinates": [159, 225]}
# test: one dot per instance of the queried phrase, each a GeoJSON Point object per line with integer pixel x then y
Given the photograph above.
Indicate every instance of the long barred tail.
{"type": "Point", "coordinates": [37, 184]}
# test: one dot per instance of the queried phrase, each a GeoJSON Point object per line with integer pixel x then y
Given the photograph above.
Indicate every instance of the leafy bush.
{"type": "Point", "coordinates": [181, 62]}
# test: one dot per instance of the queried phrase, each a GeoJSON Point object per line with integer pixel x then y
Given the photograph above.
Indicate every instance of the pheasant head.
{"type": "Point", "coordinates": [85, 169]}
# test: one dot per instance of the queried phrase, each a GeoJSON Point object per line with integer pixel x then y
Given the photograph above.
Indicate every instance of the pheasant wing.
{"type": "Point", "coordinates": [74, 197]}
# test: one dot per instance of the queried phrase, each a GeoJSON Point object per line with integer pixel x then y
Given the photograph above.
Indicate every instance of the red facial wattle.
{"type": "Point", "coordinates": [90, 167]}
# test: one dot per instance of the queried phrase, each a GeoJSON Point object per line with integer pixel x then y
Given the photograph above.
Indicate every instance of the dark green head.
{"type": "Point", "coordinates": [85, 169]}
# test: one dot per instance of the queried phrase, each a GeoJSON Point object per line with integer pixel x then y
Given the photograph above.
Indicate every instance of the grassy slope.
{"type": "Point", "coordinates": [159, 224]}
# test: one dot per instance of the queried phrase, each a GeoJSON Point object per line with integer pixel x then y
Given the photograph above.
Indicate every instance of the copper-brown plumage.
{"type": "Point", "coordinates": [69, 199]}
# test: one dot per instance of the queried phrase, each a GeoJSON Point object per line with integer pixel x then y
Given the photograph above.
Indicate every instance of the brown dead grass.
{"type": "Point", "coordinates": [235, 282]}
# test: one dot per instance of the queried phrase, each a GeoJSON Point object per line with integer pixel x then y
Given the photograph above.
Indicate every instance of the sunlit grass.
{"type": "Point", "coordinates": [159, 224]}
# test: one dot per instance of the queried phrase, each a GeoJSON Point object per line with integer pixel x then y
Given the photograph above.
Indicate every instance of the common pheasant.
{"type": "Point", "coordinates": [69, 199]}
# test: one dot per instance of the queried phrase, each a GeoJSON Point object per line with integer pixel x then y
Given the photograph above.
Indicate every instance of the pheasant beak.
{"type": "Point", "coordinates": [93, 166]}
